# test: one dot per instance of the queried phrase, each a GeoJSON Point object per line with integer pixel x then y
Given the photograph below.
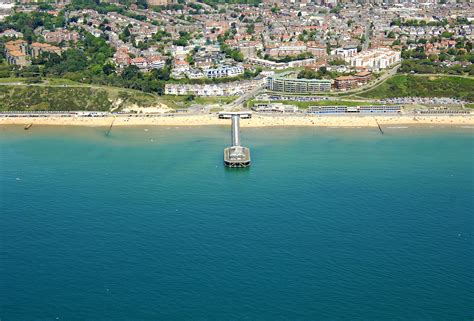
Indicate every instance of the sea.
{"type": "Point", "coordinates": [146, 223]}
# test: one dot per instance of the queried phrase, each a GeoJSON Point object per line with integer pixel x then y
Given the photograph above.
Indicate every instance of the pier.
{"type": "Point", "coordinates": [378, 125]}
{"type": "Point", "coordinates": [236, 155]}
{"type": "Point", "coordinates": [110, 127]}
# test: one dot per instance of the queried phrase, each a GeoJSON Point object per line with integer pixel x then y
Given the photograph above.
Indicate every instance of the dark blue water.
{"type": "Point", "coordinates": [328, 224]}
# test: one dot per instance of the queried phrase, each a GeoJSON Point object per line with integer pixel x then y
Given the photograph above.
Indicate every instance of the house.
{"type": "Point", "coordinates": [140, 62]}
{"type": "Point", "coordinates": [122, 57]}
{"type": "Point", "coordinates": [60, 35]}
{"type": "Point", "coordinates": [16, 53]}
{"type": "Point", "coordinates": [10, 33]}
{"type": "Point", "coordinates": [156, 62]}
{"type": "Point", "coordinates": [37, 48]}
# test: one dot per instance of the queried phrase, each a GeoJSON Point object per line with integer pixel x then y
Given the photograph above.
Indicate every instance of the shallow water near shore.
{"type": "Point", "coordinates": [146, 224]}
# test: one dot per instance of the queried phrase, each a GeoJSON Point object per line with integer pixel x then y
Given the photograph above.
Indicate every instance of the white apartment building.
{"type": "Point", "coordinates": [225, 71]}
{"type": "Point", "coordinates": [344, 52]}
{"type": "Point", "coordinates": [287, 50]}
{"type": "Point", "coordinates": [225, 89]}
{"type": "Point", "coordinates": [281, 65]}
{"type": "Point", "coordinates": [156, 63]}
{"type": "Point", "coordinates": [375, 59]}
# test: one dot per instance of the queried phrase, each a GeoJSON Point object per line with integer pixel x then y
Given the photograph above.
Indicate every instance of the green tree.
{"type": "Point", "coordinates": [108, 69]}
{"type": "Point", "coordinates": [131, 72]}
{"type": "Point", "coordinates": [251, 29]}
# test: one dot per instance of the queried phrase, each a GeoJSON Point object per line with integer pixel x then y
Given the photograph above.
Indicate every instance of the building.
{"type": "Point", "coordinates": [122, 58]}
{"type": "Point", "coordinates": [374, 59]}
{"type": "Point", "coordinates": [381, 109]}
{"type": "Point", "coordinates": [281, 65]}
{"type": "Point", "coordinates": [156, 62]}
{"type": "Point", "coordinates": [267, 63]}
{"type": "Point", "coordinates": [317, 51]}
{"type": "Point", "coordinates": [344, 52]}
{"type": "Point", "coordinates": [16, 57]}
{"type": "Point", "coordinates": [363, 77]}
{"type": "Point", "coordinates": [298, 86]}
{"type": "Point", "coordinates": [275, 108]}
{"type": "Point", "coordinates": [37, 48]}
{"type": "Point", "coordinates": [10, 33]}
{"type": "Point", "coordinates": [290, 49]}
{"type": "Point", "coordinates": [180, 67]}
{"type": "Point", "coordinates": [224, 89]}
{"type": "Point", "coordinates": [350, 82]}
{"type": "Point", "coordinates": [345, 82]}
{"type": "Point", "coordinates": [16, 53]}
{"type": "Point", "coordinates": [331, 109]}
{"type": "Point", "coordinates": [140, 62]}
{"type": "Point", "coordinates": [61, 35]}
{"type": "Point", "coordinates": [225, 71]}
{"type": "Point", "coordinates": [158, 2]}
{"type": "Point", "coordinates": [6, 7]}
{"type": "Point", "coordinates": [19, 53]}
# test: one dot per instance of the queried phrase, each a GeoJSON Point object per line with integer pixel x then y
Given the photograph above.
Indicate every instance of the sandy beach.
{"type": "Point", "coordinates": [255, 121]}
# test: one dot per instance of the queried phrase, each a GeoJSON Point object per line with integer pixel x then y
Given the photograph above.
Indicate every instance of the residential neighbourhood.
{"type": "Point", "coordinates": [286, 160]}
{"type": "Point", "coordinates": [201, 48]}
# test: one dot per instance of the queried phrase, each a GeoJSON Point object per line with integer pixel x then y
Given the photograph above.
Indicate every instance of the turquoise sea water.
{"type": "Point", "coordinates": [328, 224]}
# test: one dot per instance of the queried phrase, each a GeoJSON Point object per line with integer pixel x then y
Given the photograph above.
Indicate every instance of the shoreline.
{"type": "Point", "coordinates": [255, 121]}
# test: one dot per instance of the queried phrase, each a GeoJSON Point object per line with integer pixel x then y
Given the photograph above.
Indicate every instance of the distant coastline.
{"type": "Point", "coordinates": [256, 121]}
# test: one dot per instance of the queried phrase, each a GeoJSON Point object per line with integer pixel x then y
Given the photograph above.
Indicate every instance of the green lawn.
{"type": "Point", "coordinates": [11, 79]}
{"type": "Point", "coordinates": [178, 102]}
{"type": "Point", "coordinates": [214, 100]}
{"type": "Point", "coordinates": [61, 81]}
{"type": "Point", "coordinates": [423, 86]}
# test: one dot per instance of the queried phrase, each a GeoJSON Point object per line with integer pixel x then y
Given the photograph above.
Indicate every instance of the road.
{"type": "Point", "coordinates": [373, 83]}
{"type": "Point", "coordinates": [239, 102]}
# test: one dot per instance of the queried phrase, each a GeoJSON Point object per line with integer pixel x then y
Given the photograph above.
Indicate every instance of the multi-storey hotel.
{"type": "Point", "coordinates": [298, 86]}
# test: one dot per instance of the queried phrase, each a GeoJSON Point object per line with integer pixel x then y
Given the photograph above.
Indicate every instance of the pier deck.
{"type": "Point", "coordinates": [237, 156]}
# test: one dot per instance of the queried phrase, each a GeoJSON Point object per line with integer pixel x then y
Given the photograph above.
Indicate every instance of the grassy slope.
{"type": "Point", "coordinates": [19, 98]}
{"type": "Point", "coordinates": [423, 86]}
{"type": "Point", "coordinates": [70, 95]}
{"type": "Point", "coordinates": [178, 102]}
{"type": "Point", "coordinates": [49, 98]}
